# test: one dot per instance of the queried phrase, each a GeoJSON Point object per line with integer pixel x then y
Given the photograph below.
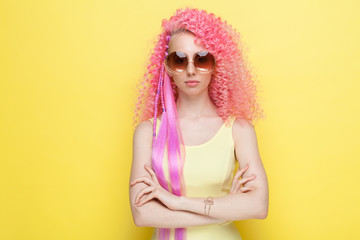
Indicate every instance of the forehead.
{"type": "Point", "coordinates": [184, 41]}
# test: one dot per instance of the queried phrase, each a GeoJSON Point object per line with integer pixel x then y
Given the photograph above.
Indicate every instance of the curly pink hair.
{"type": "Point", "coordinates": [232, 88]}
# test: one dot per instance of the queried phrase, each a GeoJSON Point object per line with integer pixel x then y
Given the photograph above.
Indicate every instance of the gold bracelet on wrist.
{"type": "Point", "coordinates": [209, 201]}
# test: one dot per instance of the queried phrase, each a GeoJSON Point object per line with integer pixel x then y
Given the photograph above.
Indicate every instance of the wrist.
{"type": "Point", "coordinates": [180, 205]}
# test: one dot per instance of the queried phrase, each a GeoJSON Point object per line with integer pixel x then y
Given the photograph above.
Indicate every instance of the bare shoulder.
{"type": "Point", "coordinates": [242, 128]}
{"type": "Point", "coordinates": [242, 123]}
{"type": "Point", "coordinates": [143, 131]}
{"type": "Point", "coordinates": [142, 144]}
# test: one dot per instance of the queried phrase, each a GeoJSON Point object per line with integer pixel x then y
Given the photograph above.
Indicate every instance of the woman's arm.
{"type": "Point", "coordinates": [238, 206]}
{"type": "Point", "coordinates": [235, 207]}
{"type": "Point", "coordinates": [154, 213]}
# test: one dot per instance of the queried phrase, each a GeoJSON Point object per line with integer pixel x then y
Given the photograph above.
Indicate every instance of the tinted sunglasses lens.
{"type": "Point", "coordinates": [204, 61]}
{"type": "Point", "coordinates": [177, 61]}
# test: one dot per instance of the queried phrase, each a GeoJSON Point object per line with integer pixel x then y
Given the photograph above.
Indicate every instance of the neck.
{"type": "Point", "coordinates": [195, 106]}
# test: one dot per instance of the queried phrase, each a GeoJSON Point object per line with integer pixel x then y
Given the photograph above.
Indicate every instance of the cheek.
{"type": "Point", "coordinates": [208, 80]}
{"type": "Point", "coordinates": [175, 80]}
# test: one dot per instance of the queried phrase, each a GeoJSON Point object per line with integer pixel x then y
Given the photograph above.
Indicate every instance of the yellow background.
{"type": "Point", "coordinates": [68, 73]}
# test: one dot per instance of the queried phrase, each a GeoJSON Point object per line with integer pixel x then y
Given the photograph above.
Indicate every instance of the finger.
{"type": "Point", "coordinates": [245, 189]}
{"type": "Point", "coordinates": [137, 180]}
{"type": "Point", "coordinates": [246, 179]}
{"type": "Point", "coordinates": [232, 185]}
{"type": "Point", "coordinates": [232, 190]}
{"type": "Point", "coordinates": [242, 189]}
{"type": "Point", "coordinates": [239, 173]}
{"type": "Point", "coordinates": [237, 186]}
{"type": "Point", "coordinates": [236, 177]}
{"type": "Point", "coordinates": [243, 181]}
{"type": "Point", "coordinates": [145, 199]}
{"type": "Point", "coordinates": [149, 169]}
{"type": "Point", "coordinates": [152, 173]}
{"type": "Point", "coordinates": [243, 170]}
{"type": "Point", "coordinates": [142, 192]}
{"type": "Point", "coordinates": [235, 180]}
{"type": "Point", "coordinates": [142, 179]}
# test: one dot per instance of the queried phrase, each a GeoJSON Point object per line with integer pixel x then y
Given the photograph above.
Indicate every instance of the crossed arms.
{"type": "Point", "coordinates": [190, 212]}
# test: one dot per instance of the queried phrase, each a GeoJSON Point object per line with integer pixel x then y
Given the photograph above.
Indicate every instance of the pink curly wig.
{"type": "Point", "coordinates": [232, 89]}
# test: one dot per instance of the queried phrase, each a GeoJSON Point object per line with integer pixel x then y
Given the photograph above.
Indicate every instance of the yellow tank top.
{"type": "Point", "coordinates": [208, 171]}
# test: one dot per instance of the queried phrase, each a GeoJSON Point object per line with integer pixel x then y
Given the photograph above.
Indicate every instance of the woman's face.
{"type": "Point", "coordinates": [184, 41]}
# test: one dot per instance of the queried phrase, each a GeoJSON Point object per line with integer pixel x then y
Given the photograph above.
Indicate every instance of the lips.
{"type": "Point", "coordinates": [192, 83]}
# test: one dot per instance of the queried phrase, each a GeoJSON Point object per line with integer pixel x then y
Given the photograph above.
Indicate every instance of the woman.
{"type": "Point", "coordinates": [182, 179]}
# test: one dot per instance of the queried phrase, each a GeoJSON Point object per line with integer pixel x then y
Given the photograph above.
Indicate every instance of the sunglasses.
{"type": "Point", "coordinates": [177, 61]}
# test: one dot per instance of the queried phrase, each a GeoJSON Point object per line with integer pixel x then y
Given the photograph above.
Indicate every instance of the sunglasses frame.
{"type": "Point", "coordinates": [192, 61]}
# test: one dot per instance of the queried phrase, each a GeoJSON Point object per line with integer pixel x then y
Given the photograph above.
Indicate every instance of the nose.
{"type": "Point", "coordinates": [190, 68]}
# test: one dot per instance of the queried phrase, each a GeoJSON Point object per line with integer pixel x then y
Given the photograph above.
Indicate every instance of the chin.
{"type": "Point", "coordinates": [193, 91]}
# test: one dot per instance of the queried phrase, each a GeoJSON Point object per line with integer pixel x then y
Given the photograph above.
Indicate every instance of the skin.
{"type": "Point", "coordinates": [199, 122]}
{"type": "Point", "coordinates": [198, 117]}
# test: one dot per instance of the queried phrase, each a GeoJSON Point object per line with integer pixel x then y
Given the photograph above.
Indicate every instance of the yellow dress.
{"type": "Point", "coordinates": [208, 171]}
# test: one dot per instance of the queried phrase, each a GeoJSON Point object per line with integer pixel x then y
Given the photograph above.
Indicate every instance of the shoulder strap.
{"type": "Point", "coordinates": [151, 120]}
{"type": "Point", "coordinates": [157, 124]}
{"type": "Point", "coordinates": [230, 121]}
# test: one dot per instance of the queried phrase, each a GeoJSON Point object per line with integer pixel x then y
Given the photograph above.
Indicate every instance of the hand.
{"type": "Point", "coordinates": [154, 190]}
{"type": "Point", "coordinates": [236, 184]}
